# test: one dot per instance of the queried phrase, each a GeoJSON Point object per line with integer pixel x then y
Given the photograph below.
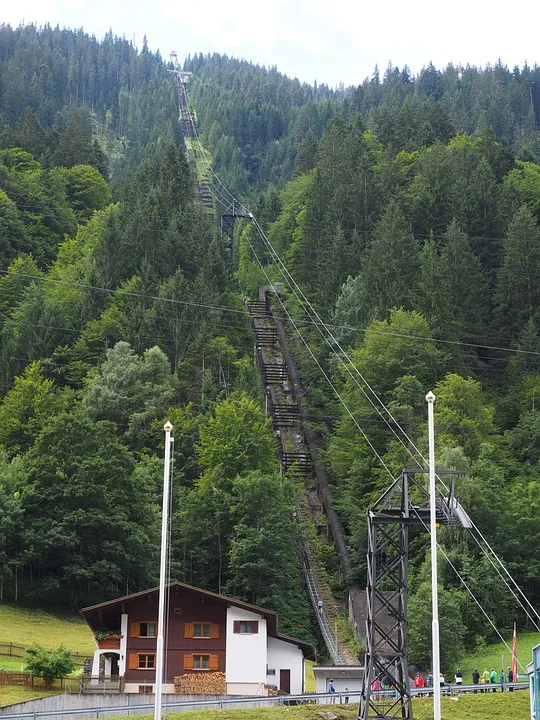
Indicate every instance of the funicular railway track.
{"type": "Point", "coordinates": [282, 404]}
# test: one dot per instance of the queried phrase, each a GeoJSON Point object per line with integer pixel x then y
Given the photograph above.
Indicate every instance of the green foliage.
{"type": "Point", "coordinates": [517, 294]}
{"type": "Point", "coordinates": [390, 266]}
{"type": "Point", "coordinates": [236, 438]}
{"type": "Point", "coordinates": [49, 664]}
{"type": "Point", "coordinates": [86, 190]}
{"type": "Point", "coordinates": [79, 488]}
{"type": "Point", "coordinates": [451, 628]}
{"type": "Point", "coordinates": [463, 417]}
{"type": "Point", "coordinates": [28, 408]}
{"type": "Point", "coordinates": [264, 555]}
{"type": "Point", "coordinates": [130, 390]}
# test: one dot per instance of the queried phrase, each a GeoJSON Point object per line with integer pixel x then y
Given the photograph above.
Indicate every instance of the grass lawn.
{"type": "Point", "coordinates": [490, 656]}
{"type": "Point", "coordinates": [24, 627]}
{"type": "Point", "coordinates": [11, 694]}
{"type": "Point", "coordinates": [309, 676]}
{"type": "Point", "coordinates": [15, 664]}
{"type": "Point", "coordinates": [498, 706]}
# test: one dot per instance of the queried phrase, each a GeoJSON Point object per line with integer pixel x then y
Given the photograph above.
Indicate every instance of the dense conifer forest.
{"type": "Point", "coordinates": [406, 209]}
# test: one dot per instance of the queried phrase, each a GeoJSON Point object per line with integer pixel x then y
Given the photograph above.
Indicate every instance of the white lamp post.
{"type": "Point", "coordinates": [162, 571]}
{"type": "Point", "coordinates": [436, 672]}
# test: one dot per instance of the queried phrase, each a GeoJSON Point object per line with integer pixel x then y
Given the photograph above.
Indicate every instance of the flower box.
{"type": "Point", "coordinates": [108, 642]}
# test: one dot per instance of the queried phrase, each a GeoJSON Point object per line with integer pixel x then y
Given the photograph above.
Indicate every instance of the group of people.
{"type": "Point", "coordinates": [487, 678]}
{"type": "Point", "coordinates": [492, 678]}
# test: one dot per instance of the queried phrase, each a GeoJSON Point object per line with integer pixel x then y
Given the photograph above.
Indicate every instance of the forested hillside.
{"type": "Point", "coordinates": [405, 208]}
{"type": "Point", "coordinates": [262, 126]}
{"type": "Point", "coordinates": [119, 311]}
{"type": "Point", "coordinates": [411, 226]}
{"type": "Point", "coordinates": [59, 88]}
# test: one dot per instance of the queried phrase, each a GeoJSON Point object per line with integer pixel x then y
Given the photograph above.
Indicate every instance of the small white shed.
{"type": "Point", "coordinates": [344, 677]}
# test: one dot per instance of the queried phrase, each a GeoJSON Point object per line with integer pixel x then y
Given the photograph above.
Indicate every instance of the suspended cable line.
{"type": "Point", "coordinates": [333, 343]}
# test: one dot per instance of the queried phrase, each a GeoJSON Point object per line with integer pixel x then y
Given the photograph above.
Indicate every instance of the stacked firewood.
{"type": "Point", "coordinates": [208, 683]}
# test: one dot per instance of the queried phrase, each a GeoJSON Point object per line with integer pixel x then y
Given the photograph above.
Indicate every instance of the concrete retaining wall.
{"type": "Point", "coordinates": [94, 702]}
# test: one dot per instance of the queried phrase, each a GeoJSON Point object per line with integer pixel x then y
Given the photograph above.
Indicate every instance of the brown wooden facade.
{"type": "Point", "coordinates": [196, 630]}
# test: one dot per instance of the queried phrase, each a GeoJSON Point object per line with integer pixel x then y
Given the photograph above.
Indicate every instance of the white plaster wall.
{"type": "Point", "coordinates": [286, 656]}
{"type": "Point", "coordinates": [249, 689]}
{"type": "Point", "coordinates": [95, 664]}
{"type": "Point", "coordinates": [245, 654]}
{"type": "Point", "coordinates": [123, 644]}
{"type": "Point", "coordinates": [351, 679]}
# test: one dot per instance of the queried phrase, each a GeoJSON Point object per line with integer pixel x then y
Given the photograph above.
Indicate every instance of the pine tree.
{"type": "Point", "coordinates": [517, 294]}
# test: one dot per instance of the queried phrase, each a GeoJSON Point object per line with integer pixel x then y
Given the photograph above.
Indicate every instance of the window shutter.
{"type": "Point", "coordinates": [133, 661]}
{"type": "Point", "coordinates": [188, 630]}
{"type": "Point", "coordinates": [134, 629]}
{"type": "Point", "coordinates": [214, 630]}
{"type": "Point", "coordinates": [236, 626]}
{"type": "Point", "coordinates": [255, 626]}
{"type": "Point", "coordinates": [213, 663]}
{"type": "Point", "coordinates": [188, 662]}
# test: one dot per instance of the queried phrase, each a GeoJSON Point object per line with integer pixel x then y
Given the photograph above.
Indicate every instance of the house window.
{"type": "Point", "coordinates": [147, 629]}
{"type": "Point", "coordinates": [143, 629]}
{"type": "Point", "coordinates": [201, 630]}
{"type": "Point", "coordinates": [246, 627]}
{"type": "Point", "coordinates": [147, 661]}
{"type": "Point", "coordinates": [146, 689]}
{"type": "Point", "coordinates": [201, 662]}
{"type": "Point", "coordinates": [197, 661]}
{"type": "Point", "coordinates": [270, 672]}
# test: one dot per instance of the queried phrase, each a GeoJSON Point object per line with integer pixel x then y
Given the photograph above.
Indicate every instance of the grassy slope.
{"type": "Point", "coordinates": [12, 694]}
{"type": "Point", "coordinates": [490, 656]}
{"type": "Point", "coordinates": [22, 626]}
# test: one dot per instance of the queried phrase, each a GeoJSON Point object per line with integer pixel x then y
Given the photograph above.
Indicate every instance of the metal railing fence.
{"type": "Point", "coordinates": [338, 698]}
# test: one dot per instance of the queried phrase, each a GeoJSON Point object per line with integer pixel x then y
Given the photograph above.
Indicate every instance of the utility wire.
{"type": "Point", "coordinates": [308, 321]}
{"type": "Point", "coordinates": [465, 584]}
{"type": "Point", "coordinates": [320, 324]}
{"type": "Point", "coordinates": [329, 381]}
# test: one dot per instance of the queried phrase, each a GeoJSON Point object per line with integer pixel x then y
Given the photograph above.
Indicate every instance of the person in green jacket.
{"type": "Point", "coordinates": [494, 678]}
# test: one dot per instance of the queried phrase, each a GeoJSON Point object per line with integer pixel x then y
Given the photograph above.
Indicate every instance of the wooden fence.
{"type": "Point", "coordinates": [11, 677]}
{"type": "Point", "coordinates": [15, 678]}
{"type": "Point", "coordinates": [20, 651]}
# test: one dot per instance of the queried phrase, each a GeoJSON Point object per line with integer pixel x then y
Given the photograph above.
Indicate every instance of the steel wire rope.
{"type": "Point", "coordinates": [320, 323]}
{"type": "Point", "coordinates": [237, 311]}
{"type": "Point", "coordinates": [328, 380]}
{"type": "Point", "coordinates": [209, 165]}
{"type": "Point", "coordinates": [464, 583]}
{"type": "Point", "coordinates": [217, 196]}
{"type": "Point", "coordinates": [378, 455]}
{"type": "Point", "coordinates": [502, 565]}
{"type": "Point", "coordinates": [203, 153]}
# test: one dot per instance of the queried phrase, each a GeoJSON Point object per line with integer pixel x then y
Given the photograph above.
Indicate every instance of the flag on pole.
{"type": "Point", "coordinates": [514, 655]}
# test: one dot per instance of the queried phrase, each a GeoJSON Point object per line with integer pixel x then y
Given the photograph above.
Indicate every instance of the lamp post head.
{"type": "Point", "coordinates": [430, 397]}
{"type": "Point", "coordinates": [168, 426]}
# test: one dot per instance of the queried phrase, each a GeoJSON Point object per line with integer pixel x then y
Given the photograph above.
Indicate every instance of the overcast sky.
{"type": "Point", "coordinates": [328, 41]}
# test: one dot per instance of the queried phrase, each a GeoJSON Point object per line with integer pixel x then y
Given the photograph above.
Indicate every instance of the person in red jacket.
{"type": "Point", "coordinates": [419, 683]}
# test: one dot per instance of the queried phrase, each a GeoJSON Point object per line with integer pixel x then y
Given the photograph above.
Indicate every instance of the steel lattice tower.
{"type": "Point", "coordinates": [406, 502]}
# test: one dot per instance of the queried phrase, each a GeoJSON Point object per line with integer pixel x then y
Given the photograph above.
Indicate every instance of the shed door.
{"type": "Point", "coordinates": [285, 680]}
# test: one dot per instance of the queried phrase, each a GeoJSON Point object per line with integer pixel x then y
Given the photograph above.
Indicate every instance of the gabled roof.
{"type": "Point", "coordinates": [93, 614]}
